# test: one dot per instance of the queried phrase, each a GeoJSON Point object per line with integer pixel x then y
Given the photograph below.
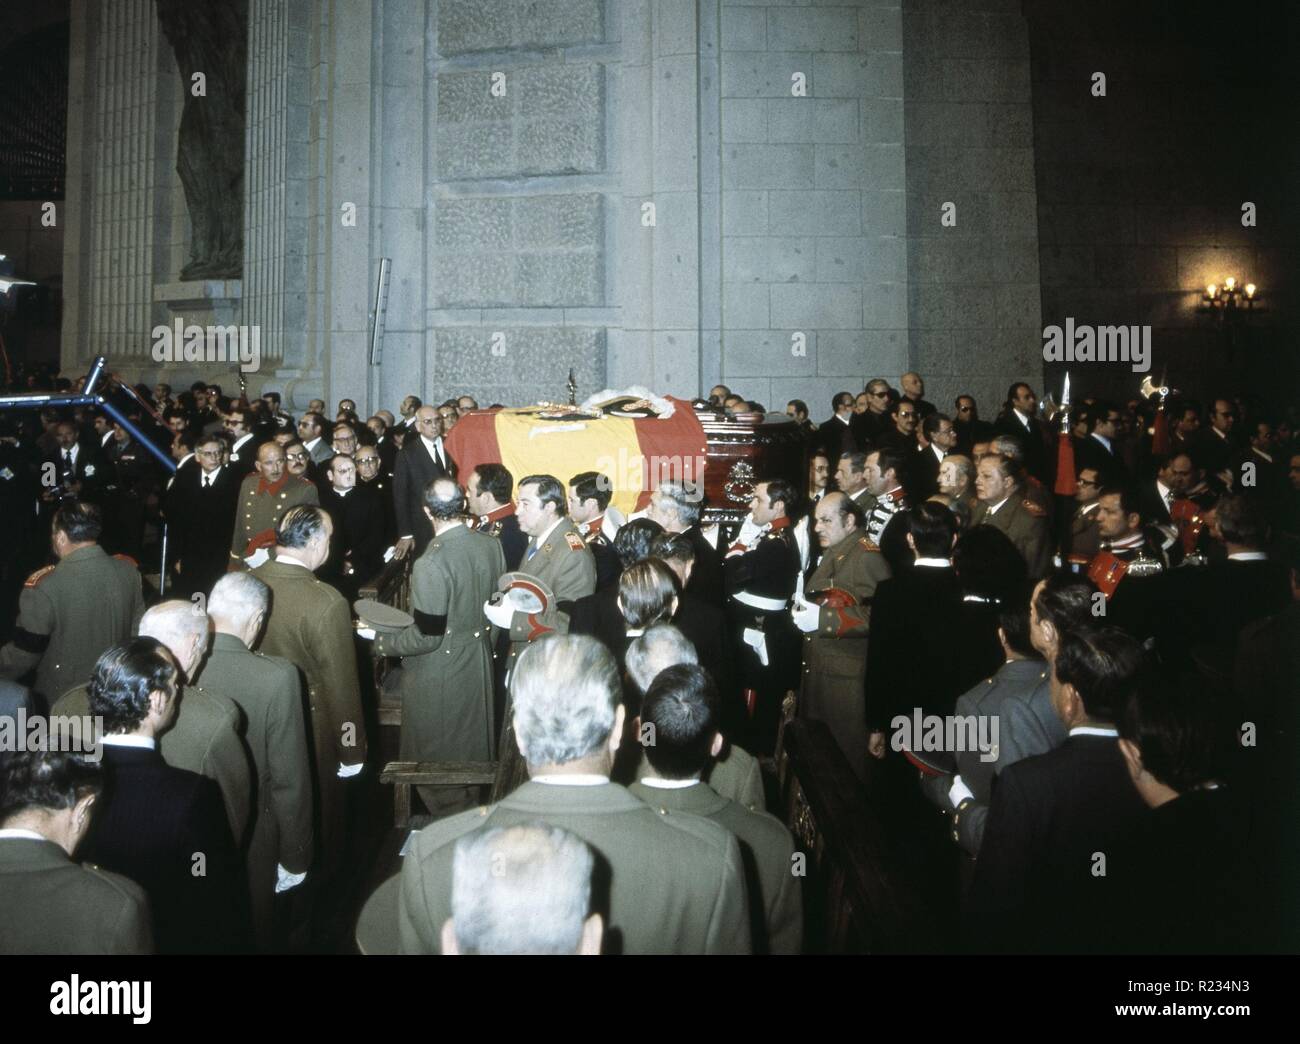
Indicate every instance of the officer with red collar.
{"type": "Point", "coordinates": [761, 569]}
{"type": "Point", "coordinates": [589, 495]}
{"type": "Point", "coordinates": [264, 496]}
{"type": "Point", "coordinates": [488, 494]}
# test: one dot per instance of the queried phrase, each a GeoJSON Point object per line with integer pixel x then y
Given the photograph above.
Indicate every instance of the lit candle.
{"type": "Point", "coordinates": [1250, 290]}
{"type": "Point", "coordinates": [1230, 284]}
{"type": "Point", "coordinates": [1211, 291]}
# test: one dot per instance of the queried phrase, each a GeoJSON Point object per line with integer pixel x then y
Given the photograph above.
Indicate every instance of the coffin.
{"type": "Point", "coordinates": [726, 455]}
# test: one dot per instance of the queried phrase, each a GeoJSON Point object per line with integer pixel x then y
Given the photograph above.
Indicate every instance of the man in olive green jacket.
{"type": "Point", "coordinates": [675, 882]}
{"type": "Point", "coordinates": [48, 903]}
{"type": "Point", "coordinates": [71, 612]}
{"type": "Point", "coordinates": [311, 626]}
{"type": "Point", "coordinates": [556, 555]}
{"type": "Point", "coordinates": [679, 719]}
{"type": "Point", "coordinates": [445, 681]}
{"type": "Point", "coordinates": [835, 620]}
{"type": "Point", "coordinates": [268, 691]}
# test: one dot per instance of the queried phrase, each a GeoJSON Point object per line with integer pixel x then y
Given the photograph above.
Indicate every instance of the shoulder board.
{"type": "Point", "coordinates": [1033, 509]}
{"type": "Point", "coordinates": [866, 544]}
{"type": "Point", "coordinates": [574, 541]}
{"type": "Point", "coordinates": [127, 558]}
{"type": "Point", "coordinates": [38, 576]}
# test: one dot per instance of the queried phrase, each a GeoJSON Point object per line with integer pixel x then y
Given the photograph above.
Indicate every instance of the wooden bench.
{"type": "Point", "coordinates": [392, 586]}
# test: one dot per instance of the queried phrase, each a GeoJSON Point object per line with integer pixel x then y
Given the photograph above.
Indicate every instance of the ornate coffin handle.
{"type": "Point", "coordinates": [741, 476]}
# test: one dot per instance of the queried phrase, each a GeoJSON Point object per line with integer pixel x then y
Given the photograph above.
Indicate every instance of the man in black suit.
{"type": "Point", "coordinates": [358, 541]}
{"type": "Point", "coordinates": [677, 507]}
{"type": "Point", "coordinates": [1100, 448]}
{"type": "Point", "coordinates": [1156, 496]}
{"type": "Point", "coordinates": [1042, 882]}
{"type": "Point", "coordinates": [873, 421]}
{"type": "Point", "coordinates": [835, 436]}
{"type": "Point", "coordinates": [704, 624]}
{"type": "Point", "coordinates": [942, 438]}
{"type": "Point", "coordinates": [423, 458]}
{"type": "Point", "coordinates": [970, 429]}
{"type": "Point", "coordinates": [243, 444]}
{"type": "Point", "coordinates": [81, 467]}
{"type": "Point", "coordinates": [925, 647]}
{"type": "Point", "coordinates": [914, 392]}
{"type": "Point", "coordinates": [165, 828]}
{"type": "Point", "coordinates": [1194, 877]}
{"type": "Point", "coordinates": [200, 510]}
{"type": "Point", "coordinates": [1019, 421]}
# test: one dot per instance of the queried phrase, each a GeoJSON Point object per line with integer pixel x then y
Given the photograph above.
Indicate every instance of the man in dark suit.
{"type": "Point", "coordinates": [81, 467]}
{"type": "Point", "coordinates": [873, 421]}
{"type": "Point", "coordinates": [703, 623]}
{"type": "Point", "coordinates": [970, 429]}
{"type": "Point", "coordinates": [200, 511]}
{"type": "Point", "coordinates": [942, 438]}
{"type": "Point", "coordinates": [243, 443]}
{"type": "Point", "coordinates": [357, 543]}
{"type": "Point", "coordinates": [1041, 881]}
{"type": "Point", "coordinates": [835, 436]}
{"type": "Point", "coordinates": [1019, 420]}
{"type": "Point", "coordinates": [423, 458]}
{"type": "Point", "coordinates": [924, 647]}
{"type": "Point", "coordinates": [1100, 449]}
{"type": "Point", "coordinates": [1156, 496]}
{"type": "Point", "coordinates": [677, 507]}
{"type": "Point", "coordinates": [163, 827]}
{"type": "Point", "coordinates": [371, 475]}
{"type": "Point", "coordinates": [1194, 877]}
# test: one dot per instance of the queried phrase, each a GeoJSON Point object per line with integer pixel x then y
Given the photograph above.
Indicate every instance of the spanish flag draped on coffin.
{"type": "Point", "coordinates": [637, 453]}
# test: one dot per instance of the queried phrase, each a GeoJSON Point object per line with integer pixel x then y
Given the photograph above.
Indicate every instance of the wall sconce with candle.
{"type": "Point", "coordinates": [1229, 297]}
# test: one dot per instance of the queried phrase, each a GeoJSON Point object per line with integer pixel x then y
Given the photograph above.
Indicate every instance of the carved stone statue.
{"type": "Point", "coordinates": [211, 37]}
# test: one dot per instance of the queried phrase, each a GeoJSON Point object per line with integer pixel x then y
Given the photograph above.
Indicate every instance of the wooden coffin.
{"type": "Point", "coordinates": [746, 449]}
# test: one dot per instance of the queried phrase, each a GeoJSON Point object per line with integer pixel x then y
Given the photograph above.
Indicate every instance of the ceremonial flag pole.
{"type": "Point", "coordinates": [1066, 486]}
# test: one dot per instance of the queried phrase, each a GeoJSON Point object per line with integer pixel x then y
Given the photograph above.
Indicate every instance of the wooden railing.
{"type": "Point", "coordinates": [392, 586]}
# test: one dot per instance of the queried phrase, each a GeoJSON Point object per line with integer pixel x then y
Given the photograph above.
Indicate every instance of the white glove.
{"type": "Point", "coordinates": [366, 632]}
{"type": "Point", "coordinates": [499, 614]}
{"type": "Point", "coordinates": [806, 617]}
{"type": "Point", "coordinates": [758, 641]}
{"type": "Point", "coordinates": [346, 771]}
{"type": "Point", "coordinates": [286, 880]}
{"type": "Point", "coordinates": [958, 792]}
{"type": "Point", "coordinates": [258, 557]}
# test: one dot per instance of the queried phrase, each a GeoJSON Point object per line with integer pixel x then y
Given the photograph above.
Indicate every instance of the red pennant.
{"type": "Point", "coordinates": [1066, 485]}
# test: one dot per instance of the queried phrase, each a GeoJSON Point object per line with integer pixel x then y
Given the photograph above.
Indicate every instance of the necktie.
{"type": "Point", "coordinates": [532, 549]}
{"type": "Point", "coordinates": [67, 459]}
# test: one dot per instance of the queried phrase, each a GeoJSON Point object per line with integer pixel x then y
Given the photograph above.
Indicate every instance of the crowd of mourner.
{"type": "Point", "coordinates": [1060, 657]}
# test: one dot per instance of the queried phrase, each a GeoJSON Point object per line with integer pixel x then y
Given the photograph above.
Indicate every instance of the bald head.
{"type": "Point", "coordinates": [183, 628]}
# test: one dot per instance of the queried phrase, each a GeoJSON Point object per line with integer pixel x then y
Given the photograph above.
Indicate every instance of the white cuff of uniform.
{"type": "Point", "coordinates": [286, 880]}
{"type": "Point", "coordinates": [959, 792]}
{"type": "Point", "coordinates": [350, 770]}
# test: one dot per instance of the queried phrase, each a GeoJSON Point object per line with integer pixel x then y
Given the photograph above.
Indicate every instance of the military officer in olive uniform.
{"type": "Point", "coordinates": [999, 484]}
{"type": "Point", "coordinates": [264, 496]}
{"type": "Point", "coordinates": [48, 903]}
{"type": "Point", "coordinates": [683, 747]}
{"type": "Point", "coordinates": [835, 626]}
{"type": "Point", "coordinates": [556, 555]}
{"type": "Point", "coordinates": [673, 882]}
{"type": "Point", "coordinates": [445, 681]}
{"type": "Point", "coordinates": [268, 691]}
{"type": "Point", "coordinates": [311, 626]}
{"type": "Point", "coordinates": [71, 612]}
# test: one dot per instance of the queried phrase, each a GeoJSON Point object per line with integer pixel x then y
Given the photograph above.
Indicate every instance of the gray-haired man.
{"type": "Point", "coordinates": [521, 889]}
{"type": "Point", "coordinates": [677, 507]}
{"type": "Point", "coordinates": [268, 691]}
{"type": "Point", "coordinates": [676, 882]}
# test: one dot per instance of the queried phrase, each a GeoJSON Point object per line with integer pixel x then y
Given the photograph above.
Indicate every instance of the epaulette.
{"type": "Point", "coordinates": [1033, 508]}
{"type": "Point", "coordinates": [574, 541]}
{"type": "Point", "coordinates": [128, 558]}
{"type": "Point", "coordinates": [38, 576]}
{"type": "Point", "coordinates": [868, 544]}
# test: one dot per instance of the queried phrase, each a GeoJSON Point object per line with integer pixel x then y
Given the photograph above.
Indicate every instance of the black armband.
{"type": "Point", "coordinates": [430, 626]}
{"type": "Point", "coordinates": [30, 643]}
